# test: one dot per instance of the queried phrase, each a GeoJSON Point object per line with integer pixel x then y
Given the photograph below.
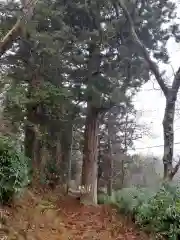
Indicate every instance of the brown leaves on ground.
{"type": "Point", "coordinates": [44, 216]}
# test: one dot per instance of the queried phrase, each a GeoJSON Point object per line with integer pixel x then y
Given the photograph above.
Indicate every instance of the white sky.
{"type": "Point", "coordinates": [151, 104]}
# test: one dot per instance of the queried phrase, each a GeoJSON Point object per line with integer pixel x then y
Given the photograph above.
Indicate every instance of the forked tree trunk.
{"type": "Point", "coordinates": [90, 154]}
{"type": "Point", "coordinates": [170, 94]}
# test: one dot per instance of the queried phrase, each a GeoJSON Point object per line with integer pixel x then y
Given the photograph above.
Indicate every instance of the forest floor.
{"type": "Point", "coordinates": [45, 216]}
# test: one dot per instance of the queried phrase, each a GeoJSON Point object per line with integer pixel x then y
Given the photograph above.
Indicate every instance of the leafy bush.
{"type": "Point", "coordinates": [128, 199]}
{"type": "Point", "coordinates": [155, 211]}
{"type": "Point", "coordinates": [161, 214]}
{"type": "Point", "coordinates": [51, 174]}
{"type": "Point", "coordinates": [14, 170]}
{"type": "Point", "coordinates": [104, 199]}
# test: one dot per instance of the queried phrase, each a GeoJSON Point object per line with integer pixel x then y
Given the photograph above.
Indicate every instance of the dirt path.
{"type": "Point", "coordinates": [48, 218]}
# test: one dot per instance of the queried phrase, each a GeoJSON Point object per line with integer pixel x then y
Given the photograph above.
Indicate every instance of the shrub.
{"type": "Point", "coordinates": [104, 199]}
{"type": "Point", "coordinates": [161, 214]}
{"type": "Point", "coordinates": [14, 170]}
{"type": "Point", "coordinates": [128, 200]}
{"type": "Point", "coordinates": [155, 211]}
{"type": "Point", "coordinates": [51, 174]}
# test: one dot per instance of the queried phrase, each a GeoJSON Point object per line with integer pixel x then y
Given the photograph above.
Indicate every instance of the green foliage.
{"type": "Point", "coordinates": [104, 199]}
{"type": "Point", "coordinates": [161, 214]}
{"type": "Point", "coordinates": [156, 212]}
{"type": "Point", "coordinates": [128, 200]}
{"type": "Point", "coordinates": [14, 170]}
{"type": "Point", "coordinates": [51, 174]}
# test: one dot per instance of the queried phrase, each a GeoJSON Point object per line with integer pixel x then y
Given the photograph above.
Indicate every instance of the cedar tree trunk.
{"type": "Point", "coordinates": [90, 154]}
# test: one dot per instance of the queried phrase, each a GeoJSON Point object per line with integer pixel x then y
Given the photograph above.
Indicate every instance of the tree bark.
{"type": "Point", "coordinates": [110, 153]}
{"type": "Point", "coordinates": [99, 167]}
{"type": "Point", "coordinates": [122, 173]}
{"type": "Point", "coordinates": [168, 123]}
{"type": "Point", "coordinates": [66, 142]}
{"type": "Point", "coordinates": [29, 141]}
{"type": "Point", "coordinates": [110, 169]}
{"type": "Point", "coordinates": [32, 134]}
{"type": "Point", "coordinates": [90, 154]}
{"type": "Point", "coordinates": [69, 173]}
{"type": "Point", "coordinates": [168, 128]}
{"type": "Point", "coordinates": [58, 151]}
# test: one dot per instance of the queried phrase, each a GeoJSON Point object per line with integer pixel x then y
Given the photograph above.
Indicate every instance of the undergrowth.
{"type": "Point", "coordinates": [154, 211]}
{"type": "Point", "coordinates": [14, 170]}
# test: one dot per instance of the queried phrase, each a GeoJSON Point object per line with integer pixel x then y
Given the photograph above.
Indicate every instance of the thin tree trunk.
{"type": "Point", "coordinates": [110, 155]}
{"type": "Point", "coordinates": [168, 128]}
{"type": "Point", "coordinates": [90, 152]}
{"type": "Point", "coordinates": [100, 171]}
{"type": "Point", "coordinates": [125, 152]}
{"type": "Point", "coordinates": [58, 152]}
{"type": "Point", "coordinates": [110, 169]}
{"type": "Point", "coordinates": [44, 157]}
{"type": "Point", "coordinates": [122, 173]}
{"type": "Point", "coordinates": [70, 162]}
{"type": "Point", "coordinates": [66, 143]}
{"type": "Point", "coordinates": [29, 141]}
{"type": "Point", "coordinates": [36, 160]}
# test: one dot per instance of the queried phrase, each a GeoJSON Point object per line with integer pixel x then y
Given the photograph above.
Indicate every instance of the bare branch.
{"type": "Point", "coordinates": [153, 66]}
{"type": "Point", "coordinates": [10, 37]}
{"type": "Point", "coordinates": [176, 83]}
{"type": "Point", "coordinates": [175, 169]}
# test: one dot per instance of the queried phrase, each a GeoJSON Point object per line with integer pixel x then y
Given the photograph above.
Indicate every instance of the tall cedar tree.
{"type": "Point", "coordinates": [85, 51]}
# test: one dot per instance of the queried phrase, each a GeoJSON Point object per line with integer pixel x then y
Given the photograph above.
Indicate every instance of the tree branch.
{"type": "Point", "coordinates": [17, 30]}
{"type": "Point", "coordinates": [10, 37]}
{"type": "Point", "coordinates": [153, 66]}
{"type": "Point", "coordinates": [175, 169]}
{"type": "Point", "coordinates": [176, 83]}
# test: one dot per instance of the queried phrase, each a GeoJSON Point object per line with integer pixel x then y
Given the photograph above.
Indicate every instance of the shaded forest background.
{"type": "Point", "coordinates": [69, 72]}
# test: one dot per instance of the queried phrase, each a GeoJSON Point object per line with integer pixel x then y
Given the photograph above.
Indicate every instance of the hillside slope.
{"type": "Point", "coordinates": [44, 216]}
